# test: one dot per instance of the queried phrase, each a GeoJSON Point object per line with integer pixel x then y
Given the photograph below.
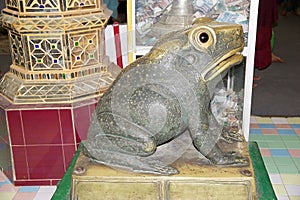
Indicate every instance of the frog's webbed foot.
{"type": "Point", "coordinates": [231, 135]}
{"type": "Point", "coordinates": [156, 167]}
{"type": "Point", "coordinates": [136, 164]}
{"type": "Point", "coordinates": [233, 159]}
{"type": "Point", "coordinates": [127, 162]}
{"type": "Point", "coordinates": [227, 159]}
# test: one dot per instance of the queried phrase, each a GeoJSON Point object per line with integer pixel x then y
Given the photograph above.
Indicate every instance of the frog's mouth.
{"type": "Point", "coordinates": [224, 63]}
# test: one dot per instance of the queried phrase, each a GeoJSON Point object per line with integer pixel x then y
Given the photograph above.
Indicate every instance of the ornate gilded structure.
{"type": "Point", "coordinates": [58, 51]}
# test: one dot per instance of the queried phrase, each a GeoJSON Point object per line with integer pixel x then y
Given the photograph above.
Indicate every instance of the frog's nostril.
{"type": "Point", "coordinates": [203, 37]}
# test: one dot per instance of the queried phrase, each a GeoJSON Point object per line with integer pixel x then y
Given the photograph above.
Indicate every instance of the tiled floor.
{"type": "Point", "coordinates": [279, 142]}
{"type": "Point", "coordinates": [9, 192]}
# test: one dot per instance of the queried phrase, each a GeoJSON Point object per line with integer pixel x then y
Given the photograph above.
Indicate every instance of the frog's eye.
{"type": "Point", "coordinates": [203, 37]}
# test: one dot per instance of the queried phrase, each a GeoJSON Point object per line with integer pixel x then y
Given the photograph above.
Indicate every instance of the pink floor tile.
{"type": "Point", "coordinates": [254, 126]}
{"type": "Point", "coordinates": [282, 125]}
{"type": "Point", "coordinates": [297, 131]}
{"type": "Point", "coordinates": [294, 152]}
{"type": "Point", "coordinates": [265, 152]}
{"type": "Point", "coordinates": [270, 131]}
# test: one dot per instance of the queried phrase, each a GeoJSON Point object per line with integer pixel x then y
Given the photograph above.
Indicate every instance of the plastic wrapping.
{"type": "Point", "coordinates": [148, 16]}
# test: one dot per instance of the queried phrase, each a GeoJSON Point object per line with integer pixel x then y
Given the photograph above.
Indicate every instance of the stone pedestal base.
{"type": "Point", "coordinates": [193, 182]}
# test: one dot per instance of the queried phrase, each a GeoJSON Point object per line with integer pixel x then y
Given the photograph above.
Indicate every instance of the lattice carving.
{"type": "Point", "coordinates": [74, 4]}
{"type": "Point", "coordinates": [12, 3]}
{"type": "Point", "coordinates": [63, 91]}
{"type": "Point", "coordinates": [46, 53]}
{"type": "Point", "coordinates": [41, 5]}
{"type": "Point", "coordinates": [59, 74]}
{"type": "Point", "coordinates": [58, 25]}
{"type": "Point", "coordinates": [84, 49]}
{"type": "Point", "coordinates": [17, 50]}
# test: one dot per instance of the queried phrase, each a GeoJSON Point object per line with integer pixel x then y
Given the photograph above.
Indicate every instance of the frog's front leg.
{"type": "Point", "coordinates": [207, 133]}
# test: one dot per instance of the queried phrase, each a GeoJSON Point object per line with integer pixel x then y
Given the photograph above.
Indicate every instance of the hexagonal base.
{"type": "Point", "coordinates": [41, 140]}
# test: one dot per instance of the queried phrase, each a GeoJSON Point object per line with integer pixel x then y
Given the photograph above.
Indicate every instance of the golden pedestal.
{"type": "Point", "coordinates": [94, 181]}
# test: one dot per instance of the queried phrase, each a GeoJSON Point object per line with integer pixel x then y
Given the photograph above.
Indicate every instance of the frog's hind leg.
{"type": "Point", "coordinates": [109, 144]}
{"type": "Point", "coordinates": [111, 155]}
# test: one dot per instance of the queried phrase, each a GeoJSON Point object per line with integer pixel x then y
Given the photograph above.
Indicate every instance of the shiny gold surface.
{"type": "Point", "coordinates": [57, 51]}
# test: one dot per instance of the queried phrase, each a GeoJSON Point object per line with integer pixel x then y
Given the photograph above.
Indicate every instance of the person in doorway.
{"type": "Point", "coordinates": [267, 17]}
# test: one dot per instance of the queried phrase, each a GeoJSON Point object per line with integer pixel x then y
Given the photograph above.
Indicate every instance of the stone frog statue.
{"type": "Point", "coordinates": [164, 94]}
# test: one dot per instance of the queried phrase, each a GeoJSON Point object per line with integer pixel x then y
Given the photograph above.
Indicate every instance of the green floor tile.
{"type": "Point", "coordinates": [272, 169]}
{"type": "Point", "coordinates": [263, 145]}
{"type": "Point", "coordinates": [272, 138]}
{"type": "Point", "coordinates": [276, 145]}
{"type": "Point", "coordinates": [290, 137]}
{"type": "Point", "coordinates": [292, 144]}
{"type": "Point", "coordinates": [287, 169]}
{"type": "Point", "coordinates": [283, 161]}
{"type": "Point", "coordinates": [297, 162]}
{"type": "Point", "coordinates": [268, 160]}
{"type": "Point", "coordinates": [256, 137]}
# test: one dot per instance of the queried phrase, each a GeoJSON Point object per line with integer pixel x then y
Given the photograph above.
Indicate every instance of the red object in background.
{"type": "Point", "coordinates": [39, 141]}
{"type": "Point", "coordinates": [118, 44]}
